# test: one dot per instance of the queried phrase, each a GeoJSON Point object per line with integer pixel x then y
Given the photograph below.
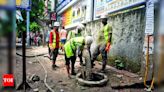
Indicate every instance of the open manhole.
{"type": "Point", "coordinates": [88, 78]}
{"type": "Point", "coordinates": [98, 79]}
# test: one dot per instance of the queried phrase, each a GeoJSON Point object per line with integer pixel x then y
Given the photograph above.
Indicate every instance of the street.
{"type": "Point", "coordinates": [58, 80]}
{"type": "Point", "coordinates": [82, 45]}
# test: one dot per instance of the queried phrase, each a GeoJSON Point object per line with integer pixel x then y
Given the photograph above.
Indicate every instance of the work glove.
{"type": "Point", "coordinates": [107, 47]}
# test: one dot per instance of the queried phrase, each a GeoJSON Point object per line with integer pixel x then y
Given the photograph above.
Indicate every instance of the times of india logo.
{"type": "Point", "coordinates": [8, 80]}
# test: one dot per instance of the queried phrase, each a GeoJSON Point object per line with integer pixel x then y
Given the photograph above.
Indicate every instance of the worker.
{"type": "Point", "coordinates": [77, 32]}
{"type": "Point", "coordinates": [70, 51]}
{"type": "Point", "coordinates": [80, 27]}
{"type": "Point", "coordinates": [103, 43]}
{"type": "Point", "coordinates": [54, 43]}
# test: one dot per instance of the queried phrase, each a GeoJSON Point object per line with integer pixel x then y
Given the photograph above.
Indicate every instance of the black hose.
{"type": "Point", "coordinates": [31, 56]}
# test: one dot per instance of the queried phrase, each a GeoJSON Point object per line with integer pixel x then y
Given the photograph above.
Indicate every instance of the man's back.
{"type": "Point", "coordinates": [63, 34]}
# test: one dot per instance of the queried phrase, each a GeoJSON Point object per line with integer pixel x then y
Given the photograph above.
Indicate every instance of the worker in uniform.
{"type": "Point", "coordinates": [80, 27]}
{"type": "Point", "coordinates": [103, 43]}
{"type": "Point", "coordinates": [54, 43]}
{"type": "Point", "coordinates": [70, 51]}
{"type": "Point", "coordinates": [77, 33]}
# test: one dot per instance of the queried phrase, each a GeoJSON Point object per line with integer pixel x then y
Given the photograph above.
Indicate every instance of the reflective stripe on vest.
{"type": "Point", "coordinates": [106, 32]}
{"type": "Point", "coordinates": [76, 41]}
{"type": "Point", "coordinates": [54, 40]}
{"type": "Point", "coordinates": [71, 45]}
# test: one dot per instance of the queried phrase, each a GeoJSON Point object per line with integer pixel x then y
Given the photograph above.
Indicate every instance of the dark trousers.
{"type": "Point", "coordinates": [100, 49]}
{"type": "Point", "coordinates": [72, 59]}
{"type": "Point", "coordinates": [30, 41]}
{"type": "Point", "coordinates": [80, 55]}
{"type": "Point", "coordinates": [54, 55]}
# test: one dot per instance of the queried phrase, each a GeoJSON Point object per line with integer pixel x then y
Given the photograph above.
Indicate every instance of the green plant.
{"type": "Point", "coordinates": [34, 26]}
{"type": "Point", "coordinates": [124, 63]}
{"type": "Point", "coordinates": [119, 64]}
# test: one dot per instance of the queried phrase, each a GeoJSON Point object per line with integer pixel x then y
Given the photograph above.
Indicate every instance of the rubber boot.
{"type": "Point", "coordinates": [72, 70]}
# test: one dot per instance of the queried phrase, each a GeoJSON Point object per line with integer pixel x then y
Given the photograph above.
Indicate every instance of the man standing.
{"type": "Point", "coordinates": [63, 36]}
{"type": "Point", "coordinates": [54, 43]}
{"type": "Point", "coordinates": [103, 42]}
{"type": "Point", "coordinates": [79, 30]}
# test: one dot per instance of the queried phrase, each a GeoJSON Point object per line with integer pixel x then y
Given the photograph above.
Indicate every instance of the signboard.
{"type": "Point", "coordinates": [7, 4]}
{"type": "Point", "coordinates": [53, 16]}
{"type": "Point", "coordinates": [78, 13]}
{"type": "Point", "coordinates": [67, 17]}
{"type": "Point", "coordinates": [23, 4]}
{"type": "Point", "coordinates": [107, 6]}
{"type": "Point", "coordinates": [3, 2]}
{"type": "Point", "coordinates": [161, 27]}
{"type": "Point", "coordinates": [62, 4]}
{"type": "Point", "coordinates": [149, 29]}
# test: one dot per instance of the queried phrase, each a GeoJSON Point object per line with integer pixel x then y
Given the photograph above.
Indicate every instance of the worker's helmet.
{"type": "Point", "coordinates": [56, 24]}
{"type": "Point", "coordinates": [104, 18]}
{"type": "Point", "coordinates": [80, 27]}
{"type": "Point", "coordinates": [88, 40]}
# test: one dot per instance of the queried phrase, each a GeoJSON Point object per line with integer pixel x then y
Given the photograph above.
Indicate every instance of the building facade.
{"type": "Point", "coordinates": [127, 18]}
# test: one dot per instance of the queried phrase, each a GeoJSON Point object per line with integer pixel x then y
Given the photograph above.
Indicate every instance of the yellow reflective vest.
{"type": "Point", "coordinates": [71, 46]}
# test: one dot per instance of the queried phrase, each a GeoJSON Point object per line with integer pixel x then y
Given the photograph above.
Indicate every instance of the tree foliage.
{"type": "Point", "coordinates": [36, 13]}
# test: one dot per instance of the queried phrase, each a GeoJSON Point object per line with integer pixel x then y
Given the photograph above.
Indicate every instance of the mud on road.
{"type": "Point", "coordinates": [57, 79]}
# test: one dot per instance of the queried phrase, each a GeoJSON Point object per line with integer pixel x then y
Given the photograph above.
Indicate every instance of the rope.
{"type": "Point", "coordinates": [31, 56]}
{"type": "Point", "coordinates": [46, 74]}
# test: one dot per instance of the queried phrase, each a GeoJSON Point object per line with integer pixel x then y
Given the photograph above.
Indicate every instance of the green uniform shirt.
{"type": "Point", "coordinates": [103, 35]}
{"type": "Point", "coordinates": [71, 46]}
